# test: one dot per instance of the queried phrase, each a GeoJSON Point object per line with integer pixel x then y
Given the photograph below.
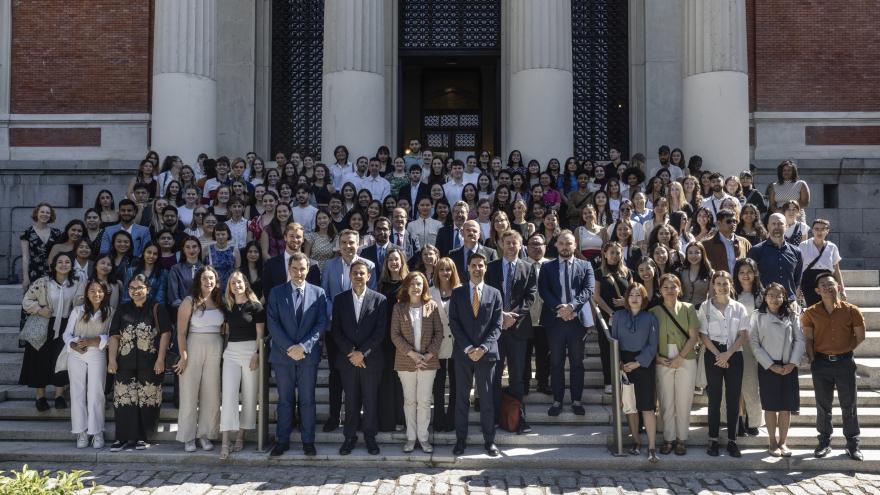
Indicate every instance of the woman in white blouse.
{"type": "Point", "coordinates": [819, 255]}
{"type": "Point", "coordinates": [724, 326]}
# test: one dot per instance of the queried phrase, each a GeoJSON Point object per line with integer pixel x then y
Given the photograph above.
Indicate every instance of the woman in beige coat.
{"type": "Point", "coordinates": [416, 331]}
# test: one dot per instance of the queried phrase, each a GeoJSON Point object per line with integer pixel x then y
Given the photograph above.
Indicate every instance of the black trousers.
{"type": "Point", "coordinates": [538, 347]}
{"type": "Point", "coordinates": [444, 413]}
{"type": "Point", "coordinates": [513, 353]}
{"type": "Point", "coordinates": [727, 379]}
{"type": "Point", "coordinates": [605, 356]}
{"type": "Point", "coordinates": [390, 391]}
{"type": "Point", "coordinates": [465, 372]}
{"type": "Point", "coordinates": [335, 380]}
{"type": "Point", "coordinates": [827, 376]}
{"type": "Point", "coordinates": [361, 386]}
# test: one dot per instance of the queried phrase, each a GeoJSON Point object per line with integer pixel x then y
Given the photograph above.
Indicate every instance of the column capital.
{"type": "Point", "coordinates": [715, 36]}
{"type": "Point", "coordinates": [185, 37]}
{"type": "Point", "coordinates": [540, 35]}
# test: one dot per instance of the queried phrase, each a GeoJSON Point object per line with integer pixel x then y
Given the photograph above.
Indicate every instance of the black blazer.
{"type": "Point", "coordinates": [370, 253]}
{"type": "Point", "coordinates": [406, 192]}
{"type": "Point", "coordinates": [364, 334]}
{"type": "Point", "coordinates": [484, 330]}
{"type": "Point", "coordinates": [275, 274]}
{"type": "Point", "coordinates": [457, 256]}
{"type": "Point", "coordinates": [445, 238]}
{"type": "Point", "coordinates": [525, 289]}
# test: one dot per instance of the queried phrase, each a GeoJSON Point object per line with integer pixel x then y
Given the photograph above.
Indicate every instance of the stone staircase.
{"type": "Point", "coordinates": [563, 441]}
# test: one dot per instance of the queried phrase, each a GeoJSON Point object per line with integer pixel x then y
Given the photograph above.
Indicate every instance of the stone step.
{"type": "Point", "coordinates": [10, 314]}
{"type": "Point", "coordinates": [863, 297]}
{"type": "Point", "coordinates": [11, 294]}
{"type": "Point", "coordinates": [565, 457]}
{"type": "Point", "coordinates": [861, 278]}
{"type": "Point", "coordinates": [9, 339]}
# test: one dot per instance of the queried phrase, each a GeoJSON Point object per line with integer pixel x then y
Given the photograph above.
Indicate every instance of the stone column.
{"type": "Point", "coordinates": [184, 120]}
{"type": "Point", "coordinates": [541, 100]}
{"type": "Point", "coordinates": [715, 102]}
{"type": "Point", "coordinates": [5, 61]}
{"type": "Point", "coordinates": [353, 86]}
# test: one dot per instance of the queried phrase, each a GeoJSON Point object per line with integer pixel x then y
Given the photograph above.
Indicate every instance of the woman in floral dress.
{"type": "Point", "coordinates": [35, 244]}
{"type": "Point", "coordinates": [139, 336]}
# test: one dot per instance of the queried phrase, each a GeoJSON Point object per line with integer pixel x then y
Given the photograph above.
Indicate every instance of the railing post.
{"type": "Point", "coordinates": [263, 400]}
{"type": "Point", "coordinates": [616, 413]}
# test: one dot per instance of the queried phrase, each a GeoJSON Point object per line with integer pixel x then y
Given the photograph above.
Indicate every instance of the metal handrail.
{"type": "Point", "coordinates": [263, 399]}
{"type": "Point", "coordinates": [616, 413]}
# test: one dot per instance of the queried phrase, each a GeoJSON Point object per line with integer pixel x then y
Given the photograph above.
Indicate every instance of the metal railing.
{"type": "Point", "coordinates": [263, 398]}
{"type": "Point", "coordinates": [616, 447]}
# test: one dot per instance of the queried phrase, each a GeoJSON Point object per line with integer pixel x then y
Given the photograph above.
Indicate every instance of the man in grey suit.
{"type": "Point", "coordinates": [475, 318]}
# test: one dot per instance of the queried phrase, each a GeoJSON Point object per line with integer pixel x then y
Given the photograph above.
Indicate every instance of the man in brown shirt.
{"type": "Point", "coordinates": [833, 329]}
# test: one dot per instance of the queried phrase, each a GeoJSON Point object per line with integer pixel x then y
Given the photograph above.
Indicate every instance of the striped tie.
{"type": "Point", "coordinates": [476, 301]}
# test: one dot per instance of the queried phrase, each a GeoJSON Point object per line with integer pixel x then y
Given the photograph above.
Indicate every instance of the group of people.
{"type": "Point", "coordinates": [419, 280]}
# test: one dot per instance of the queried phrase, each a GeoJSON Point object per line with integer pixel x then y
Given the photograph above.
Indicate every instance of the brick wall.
{"type": "Point", "coordinates": [814, 55]}
{"type": "Point", "coordinates": [81, 56]}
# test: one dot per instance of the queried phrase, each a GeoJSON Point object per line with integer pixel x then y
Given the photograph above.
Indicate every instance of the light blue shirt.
{"type": "Point", "coordinates": [731, 257]}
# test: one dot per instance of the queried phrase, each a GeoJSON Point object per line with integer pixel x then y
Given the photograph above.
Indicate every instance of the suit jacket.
{"type": "Point", "coordinates": [403, 337]}
{"type": "Point", "coordinates": [445, 239]}
{"type": "Point", "coordinates": [275, 274]}
{"type": "Point", "coordinates": [525, 289]}
{"type": "Point", "coordinates": [140, 237]}
{"type": "Point", "coordinates": [371, 253]}
{"type": "Point", "coordinates": [363, 333]}
{"type": "Point", "coordinates": [484, 330]}
{"type": "Point", "coordinates": [331, 279]}
{"type": "Point", "coordinates": [716, 252]}
{"type": "Point", "coordinates": [406, 192]}
{"type": "Point", "coordinates": [458, 256]}
{"type": "Point", "coordinates": [583, 282]}
{"type": "Point", "coordinates": [284, 329]}
{"type": "Point", "coordinates": [410, 243]}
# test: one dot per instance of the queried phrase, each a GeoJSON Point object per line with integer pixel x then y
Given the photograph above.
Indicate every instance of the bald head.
{"type": "Point", "coordinates": [470, 232]}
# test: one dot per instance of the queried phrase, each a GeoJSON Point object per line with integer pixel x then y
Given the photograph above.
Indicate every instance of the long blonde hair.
{"type": "Point", "coordinates": [454, 280]}
{"type": "Point", "coordinates": [229, 297]}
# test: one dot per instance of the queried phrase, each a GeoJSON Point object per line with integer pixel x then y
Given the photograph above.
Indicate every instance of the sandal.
{"type": "Point", "coordinates": [666, 448]}
{"type": "Point", "coordinates": [635, 449]}
{"type": "Point", "coordinates": [774, 451]}
{"type": "Point", "coordinates": [224, 451]}
{"type": "Point", "coordinates": [786, 452]}
{"type": "Point", "coordinates": [652, 456]}
{"type": "Point", "coordinates": [239, 443]}
{"type": "Point", "coordinates": [680, 448]}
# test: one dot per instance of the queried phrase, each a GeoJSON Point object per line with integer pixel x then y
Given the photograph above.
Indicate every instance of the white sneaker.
{"type": "Point", "coordinates": [189, 446]}
{"type": "Point", "coordinates": [98, 441]}
{"type": "Point", "coordinates": [82, 440]}
{"type": "Point", "coordinates": [207, 445]}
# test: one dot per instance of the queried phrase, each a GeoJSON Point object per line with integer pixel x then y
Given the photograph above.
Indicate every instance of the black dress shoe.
{"type": "Point", "coordinates": [555, 409]}
{"type": "Point", "coordinates": [854, 453]}
{"type": "Point", "coordinates": [278, 449]}
{"type": "Point", "coordinates": [372, 446]}
{"type": "Point", "coordinates": [578, 409]}
{"type": "Point", "coordinates": [309, 449]}
{"type": "Point", "coordinates": [740, 427]}
{"type": "Point", "coordinates": [712, 450]}
{"type": "Point", "coordinates": [491, 449]}
{"type": "Point", "coordinates": [459, 447]}
{"type": "Point", "coordinates": [524, 427]}
{"type": "Point", "coordinates": [347, 446]}
{"type": "Point", "coordinates": [752, 431]}
{"type": "Point", "coordinates": [733, 449]}
{"type": "Point", "coordinates": [60, 402]}
{"type": "Point", "coordinates": [331, 425]}
{"type": "Point", "coordinates": [42, 404]}
{"type": "Point", "coordinates": [822, 450]}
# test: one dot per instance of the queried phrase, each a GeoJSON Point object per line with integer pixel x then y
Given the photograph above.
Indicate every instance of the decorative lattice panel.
{"type": "Point", "coordinates": [601, 77]}
{"type": "Point", "coordinates": [450, 24]}
{"type": "Point", "coordinates": [297, 52]}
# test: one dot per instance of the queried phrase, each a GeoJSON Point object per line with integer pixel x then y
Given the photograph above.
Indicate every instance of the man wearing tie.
{"type": "Point", "coordinates": [376, 253]}
{"type": "Point", "coordinates": [296, 316]}
{"type": "Point", "coordinates": [449, 237]}
{"type": "Point", "coordinates": [275, 269]}
{"type": "Point", "coordinates": [335, 280]}
{"type": "Point", "coordinates": [475, 318]}
{"type": "Point", "coordinates": [518, 282]}
{"type": "Point", "coordinates": [400, 237]}
{"type": "Point", "coordinates": [358, 329]}
{"type": "Point", "coordinates": [565, 284]}
{"type": "Point", "coordinates": [470, 232]}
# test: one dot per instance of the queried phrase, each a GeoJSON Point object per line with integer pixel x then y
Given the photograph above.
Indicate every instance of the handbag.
{"type": "Point", "coordinates": [35, 331]}
{"type": "Point", "coordinates": [510, 413]}
{"type": "Point", "coordinates": [627, 395]}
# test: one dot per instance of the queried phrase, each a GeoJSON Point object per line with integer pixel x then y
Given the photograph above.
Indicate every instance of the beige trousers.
{"type": "Point", "coordinates": [675, 388]}
{"type": "Point", "coordinates": [238, 377]}
{"type": "Point", "coordinates": [199, 415]}
{"type": "Point", "coordinates": [418, 393]}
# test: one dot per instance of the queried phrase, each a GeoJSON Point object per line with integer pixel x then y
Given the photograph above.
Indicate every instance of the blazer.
{"type": "Point", "coordinates": [371, 253]}
{"type": "Point", "coordinates": [406, 192]}
{"type": "Point", "coordinates": [445, 239]}
{"type": "Point", "coordinates": [404, 339]}
{"type": "Point", "coordinates": [275, 273]}
{"type": "Point", "coordinates": [285, 330]}
{"type": "Point", "coordinates": [484, 330]}
{"type": "Point", "coordinates": [364, 333]}
{"type": "Point", "coordinates": [410, 243]}
{"type": "Point", "coordinates": [331, 279]}
{"type": "Point", "coordinates": [458, 256]}
{"type": "Point", "coordinates": [525, 290]}
{"type": "Point", "coordinates": [582, 287]}
{"type": "Point", "coordinates": [774, 339]}
{"type": "Point", "coordinates": [445, 351]}
{"type": "Point", "coordinates": [140, 237]}
{"type": "Point", "coordinates": [716, 252]}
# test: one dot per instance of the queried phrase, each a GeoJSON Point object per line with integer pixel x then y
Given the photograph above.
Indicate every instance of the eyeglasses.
{"type": "Point", "coordinates": [137, 288]}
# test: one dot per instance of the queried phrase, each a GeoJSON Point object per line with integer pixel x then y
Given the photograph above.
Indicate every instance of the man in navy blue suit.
{"type": "Point", "coordinates": [296, 316]}
{"type": "Point", "coordinates": [565, 285]}
{"type": "Point", "coordinates": [358, 327]}
{"type": "Point", "coordinates": [475, 318]}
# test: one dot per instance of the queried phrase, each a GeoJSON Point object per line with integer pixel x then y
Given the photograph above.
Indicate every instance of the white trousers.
{"type": "Point", "coordinates": [675, 388]}
{"type": "Point", "coordinates": [750, 395]}
{"type": "Point", "coordinates": [239, 378]}
{"type": "Point", "coordinates": [418, 394]}
{"type": "Point", "coordinates": [199, 414]}
{"type": "Point", "coordinates": [87, 374]}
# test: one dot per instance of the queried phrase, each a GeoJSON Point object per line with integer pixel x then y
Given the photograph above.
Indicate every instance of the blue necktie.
{"type": "Point", "coordinates": [380, 257]}
{"type": "Point", "coordinates": [456, 239]}
{"type": "Point", "coordinates": [298, 305]}
{"type": "Point", "coordinates": [567, 284]}
{"type": "Point", "coordinates": [508, 285]}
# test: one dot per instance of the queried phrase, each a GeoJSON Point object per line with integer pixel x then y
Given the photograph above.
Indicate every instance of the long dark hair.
{"type": "Point", "coordinates": [757, 287]}
{"type": "Point", "coordinates": [98, 207]}
{"type": "Point", "coordinates": [113, 252]}
{"type": "Point", "coordinates": [71, 276]}
{"type": "Point", "coordinates": [195, 290]}
{"type": "Point", "coordinates": [89, 311]}
{"type": "Point", "coordinates": [139, 264]}
{"type": "Point", "coordinates": [64, 237]}
{"type": "Point", "coordinates": [244, 260]}
{"type": "Point", "coordinates": [784, 310]}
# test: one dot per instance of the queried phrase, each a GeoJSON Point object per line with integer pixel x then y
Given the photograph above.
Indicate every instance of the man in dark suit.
{"type": "Point", "coordinates": [565, 285]}
{"type": "Point", "coordinates": [358, 328]}
{"type": "Point", "coordinates": [449, 236]}
{"type": "Point", "coordinates": [518, 282]}
{"type": "Point", "coordinates": [470, 232]}
{"type": "Point", "coordinates": [415, 190]}
{"type": "Point", "coordinates": [275, 269]}
{"type": "Point", "coordinates": [296, 316]}
{"type": "Point", "coordinates": [376, 253]}
{"type": "Point", "coordinates": [475, 318]}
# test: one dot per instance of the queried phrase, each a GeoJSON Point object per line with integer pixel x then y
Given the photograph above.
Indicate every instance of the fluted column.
{"type": "Point", "coordinates": [715, 101]}
{"type": "Point", "coordinates": [353, 86]}
{"type": "Point", "coordinates": [5, 60]}
{"type": "Point", "coordinates": [541, 100]}
{"type": "Point", "coordinates": [184, 82]}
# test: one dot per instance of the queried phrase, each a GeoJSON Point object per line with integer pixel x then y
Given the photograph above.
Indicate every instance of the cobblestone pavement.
{"type": "Point", "coordinates": [136, 479]}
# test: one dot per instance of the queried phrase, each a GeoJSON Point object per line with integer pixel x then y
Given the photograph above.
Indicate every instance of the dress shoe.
{"type": "Point", "coordinates": [680, 448]}
{"type": "Point", "coordinates": [331, 425]}
{"type": "Point", "coordinates": [712, 450]}
{"type": "Point", "coordinates": [347, 446]}
{"type": "Point", "coordinates": [666, 448]}
{"type": "Point", "coordinates": [42, 404]}
{"type": "Point", "coordinates": [854, 453]}
{"type": "Point", "coordinates": [459, 447]}
{"type": "Point", "coordinates": [578, 409]}
{"type": "Point", "coordinates": [491, 449]}
{"type": "Point", "coordinates": [60, 402]}
{"type": "Point", "coordinates": [555, 409]}
{"type": "Point", "coordinates": [544, 389]}
{"type": "Point", "coordinates": [372, 446]}
{"type": "Point", "coordinates": [524, 426]}
{"type": "Point", "coordinates": [733, 449]}
{"type": "Point", "coordinates": [822, 450]}
{"type": "Point", "coordinates": [278, 449]}
{"type": "Point", "coordinates": [309, 449]}
{"type": "Point", "coordinates": [752, 431]}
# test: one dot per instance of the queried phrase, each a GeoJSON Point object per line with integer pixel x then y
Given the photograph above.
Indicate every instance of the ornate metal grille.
{"type": "Point", "coordinates": [601, 77]}
{"type": "Point", "coordinates": [450, 24]}
{"type": "Point", "coordinates": [297, 55]}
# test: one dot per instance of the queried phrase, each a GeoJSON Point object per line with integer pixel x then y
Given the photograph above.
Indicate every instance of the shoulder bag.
{"type": "Point", "coordinates": [35, 331]}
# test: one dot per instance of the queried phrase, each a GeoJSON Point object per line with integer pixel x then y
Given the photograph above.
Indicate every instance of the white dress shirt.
{"type": "Point", "coordinates": [415, 315]}
{"type": "Point", "coordinates": [358, 303]}
{"type": "Point", "coordinates": [723, 326]}
{"type": "Point", "coordinates": [713, 204]}
{"type": "Point", "coordinates": [453, 191]}
{"type": "Point", "coordinates": [379, 187]}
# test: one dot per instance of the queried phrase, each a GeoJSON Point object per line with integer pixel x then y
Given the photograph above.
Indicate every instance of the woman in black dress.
{"type": "Point", "coordinates": [139, 336]}
{"type": "Point", "coordinates": [390, 390]}
{"type": "Point", "coordinates": [35, 244]}
{"type": "Point", "coordinates": [612, 279]}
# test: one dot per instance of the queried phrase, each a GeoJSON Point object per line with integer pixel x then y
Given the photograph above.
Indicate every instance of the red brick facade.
{"type": "Point", "coordinates": [867, 135]}
{"type": "Point", "coordinates": [88, 136]}
{"type": "Point", "coordinates": [81, 56]}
